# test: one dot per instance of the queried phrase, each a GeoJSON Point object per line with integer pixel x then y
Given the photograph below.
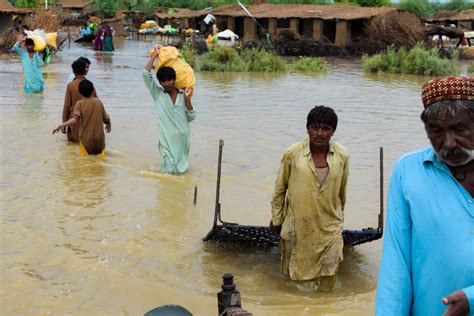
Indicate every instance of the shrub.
{"type": "Point", "coordinates": [189, 55]}
{"type": "Point", "coordinates": [372, 3]}
{"type": "Point", "coordinates": [260, 60]}
{"type": "Point", "coordinates": [421, 8]}
{"type": "Point", "coordinates": [310, 65]}
{"type": "Point", "coordinates": [222, 58]}
{"type": "Point", "coordinates": [417, 61]}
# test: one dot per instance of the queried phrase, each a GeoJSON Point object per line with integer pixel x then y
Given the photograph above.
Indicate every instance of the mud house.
{"type": "Point", "coordinates": [336, 23]}
{"type": "Point", "coordinates": [462, 19]}
{"type": "Point", "coordinates": [77, 7]}
{"type": "Point", "coordinates": [186, 18]}
{"type": "Point", "coordinates": [9, 13]}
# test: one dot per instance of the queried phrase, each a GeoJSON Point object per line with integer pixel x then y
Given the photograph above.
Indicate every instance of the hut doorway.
{"type": "Point", "coordinates": [329, 30]}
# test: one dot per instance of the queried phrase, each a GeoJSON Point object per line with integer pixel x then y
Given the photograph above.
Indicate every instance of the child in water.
{"type": "Point", "coordinates": [90, 113]}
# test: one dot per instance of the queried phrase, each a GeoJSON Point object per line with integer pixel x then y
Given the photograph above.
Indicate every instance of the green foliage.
{"type": "Point", "coordinates": [222, 58]}
{"type": "Point", "coordinates": [260, 60]}
{"type": "Point", "coordinates": [470, 68]}
{"type": "Point", "coordinates": [310, 65]}
{"type": "Point", "coordinates": [421, 8]}
{"type": "Point", "coordinates": [418, 61]}
{"type": "Point", "coordinates": [106, 8]}
{"type": "Point", "coordinates": [372, 3]}
{"type": "Point", "coordinates": [189, 55]}
{"type": "Point", "coordinates": [225, 58]}
{"type": "Point", "coordinates": [26, 3]}
{"type": "Point", "coordinates": [457, 5]}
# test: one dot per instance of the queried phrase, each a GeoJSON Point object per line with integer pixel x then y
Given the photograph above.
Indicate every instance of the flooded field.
{"type": "Point", "coordinates": [90, 236]}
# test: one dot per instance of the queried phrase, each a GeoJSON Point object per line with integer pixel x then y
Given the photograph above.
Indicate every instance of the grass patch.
{"type": "Point", "coordinates": [189, 55]}
{"type": "Point", "coordinates": [225, 58]}
{"type": "Point", "coordinates": [222, 58]}
{"type": "Point", "coordinates": [470, 68]}
{"type": "Point", "coordinates": [310, 65]}
{"type": "Point", "coordinates": [417, 61]}
{"type": "Point", "coordinates": [260, 60]}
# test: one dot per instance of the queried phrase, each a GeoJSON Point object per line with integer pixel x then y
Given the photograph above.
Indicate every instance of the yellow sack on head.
{"type": "Point", "coordinates": [170, 57]}
{"type": "Point", "coordinates": [51, 39]}
{"type": "Point", "coordinates": [40, 44]}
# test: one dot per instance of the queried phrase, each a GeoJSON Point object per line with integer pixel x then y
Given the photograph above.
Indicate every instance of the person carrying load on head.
{"type": "Point", "coordinates": [427, 265]}
{"type": "Point", "coordinates": [31, 62]}
{"type": "Point", "coordinates": [174, 112]}
{"type": "Point", "coordinates": [308, 203]}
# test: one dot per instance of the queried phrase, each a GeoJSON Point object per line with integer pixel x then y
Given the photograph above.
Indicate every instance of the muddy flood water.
{"type": "Point", "coordinates": [91, 236]}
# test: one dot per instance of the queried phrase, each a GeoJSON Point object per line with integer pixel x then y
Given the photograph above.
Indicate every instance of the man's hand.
{"type": "Point", "coordinates": [458, 304]}
{"type": "Point", "coordinates": [156, 50]}
{"type": "Point", "coordinates": [108, 128]}
{"type": "Point", "coordinates": [275, 229]}
{"type": "Point", "coordinates": [21, 38]}
{"type": "Point", "coordinates": [188, 92]}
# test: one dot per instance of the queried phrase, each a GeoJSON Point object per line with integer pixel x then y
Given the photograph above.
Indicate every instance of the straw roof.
{"type": "Point", "coordinates": [162, 13]}
{"type": "Point", "coordinates": [75, 4]}
{"type": "Point", "coordinates": [7, 7]}
{"type": "Point", "coordinates": [453, 16]}
{"type": "Point", "coordinates": [281, 11]}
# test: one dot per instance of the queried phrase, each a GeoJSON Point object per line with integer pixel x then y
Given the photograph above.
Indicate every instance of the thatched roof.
{"type": "Point", "coordinates": [281, 11]}
{"type": "Point", "coordinates": [75, 4]}
{"type": "Point", "coordinates": [453, 16]}
{"type": "Point", "coordinates": [7, 7]}
{"type": "Point", "coordinates": [163, 13]}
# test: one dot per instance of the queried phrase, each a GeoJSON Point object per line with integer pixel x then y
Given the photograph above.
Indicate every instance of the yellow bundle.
{"type": "Point", "coordinates": [148, 24]}
{"type": "Point", "coordinates": [170, 57]}
{"type": "Point", "coordinates": [51, 39]}
{"type": "Point", "coordinates": [40, 44]}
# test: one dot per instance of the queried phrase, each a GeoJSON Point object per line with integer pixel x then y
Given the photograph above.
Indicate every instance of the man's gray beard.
{"type": "Point", "coordinates": [468, 152]}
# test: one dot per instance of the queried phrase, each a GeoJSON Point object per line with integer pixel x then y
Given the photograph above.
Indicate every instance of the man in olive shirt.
{"type": "Point", "coordinates": [308, 202]}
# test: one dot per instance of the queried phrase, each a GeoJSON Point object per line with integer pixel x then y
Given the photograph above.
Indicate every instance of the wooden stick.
{"type": "Point", "coordinates": [381, 192]}
{"type": "Point", "coordinates": [218, 185]}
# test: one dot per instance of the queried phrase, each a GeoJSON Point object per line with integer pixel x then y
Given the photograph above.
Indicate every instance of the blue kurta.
{"type": "Point", "coordinates": [32, 69]}
{"type": "Point", "coordinates": [173, 122]}
{"type": "Point", "coordinates": [428, 250]}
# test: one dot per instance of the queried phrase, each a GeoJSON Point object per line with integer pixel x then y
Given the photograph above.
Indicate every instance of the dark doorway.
{"type": "Point", "coordinates": [329, 30]}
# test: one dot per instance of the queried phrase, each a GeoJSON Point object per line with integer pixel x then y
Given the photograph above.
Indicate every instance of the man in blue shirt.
{"type": "Point", "coordinates": [32, 64]}
{"type": "Point", "coordinates": [428, 255]}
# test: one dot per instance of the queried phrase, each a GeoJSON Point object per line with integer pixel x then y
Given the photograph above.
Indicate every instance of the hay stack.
{"type": "Point", "coordinates": [41, 19]}
{"type": "Point", "coordinates": [398, 28]}
{"type": "Point", "coordinates": [466, 53]}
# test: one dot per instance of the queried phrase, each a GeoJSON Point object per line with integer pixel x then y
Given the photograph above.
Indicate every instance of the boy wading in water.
{"type": "Point", "coordinates": [174, 111]}
{"type": "Point", "coordinates": [91, 115]}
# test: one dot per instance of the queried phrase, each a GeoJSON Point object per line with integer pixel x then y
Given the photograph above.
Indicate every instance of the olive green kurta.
{"type": "Point", "coordinates": [311, 214]}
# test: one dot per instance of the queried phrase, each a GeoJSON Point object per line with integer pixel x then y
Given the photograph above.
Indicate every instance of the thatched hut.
{"type": "Point", "coordinates": [77, 7]}
{"type": "Point", "coordinates": [463, 19]}
{"type": "Point", "coordinates": [8, 12]}
{"type": "Point", "coordinates": [336, 23]}
{"type": "Point", "coordinates": [187, 18]}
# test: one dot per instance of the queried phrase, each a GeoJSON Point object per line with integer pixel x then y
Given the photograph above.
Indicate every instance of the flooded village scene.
{"type": "Point", "coordinates": [224, 157]}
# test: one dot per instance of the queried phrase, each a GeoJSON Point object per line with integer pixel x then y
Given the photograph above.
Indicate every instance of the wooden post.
{"type": "Point", "coordinates": [343, 33]}
{"type": "Point", "coordinates": [250, 29]}
{"type": "Point", "coordinates": [231, 24]}
{"type": "Point", "coordinates": [294, 25]}
{"type": "Point", "coordinates": [272, 26]}
{"type": "Point", "coordinates": [317, 29]}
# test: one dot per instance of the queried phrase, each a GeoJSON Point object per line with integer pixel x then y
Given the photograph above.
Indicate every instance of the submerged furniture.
{"type": "Point", "coordinates": [262, 235]}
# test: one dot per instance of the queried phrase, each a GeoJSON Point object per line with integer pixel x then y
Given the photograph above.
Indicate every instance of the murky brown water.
{"type": "Point", "coordinates": [86, 236]}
